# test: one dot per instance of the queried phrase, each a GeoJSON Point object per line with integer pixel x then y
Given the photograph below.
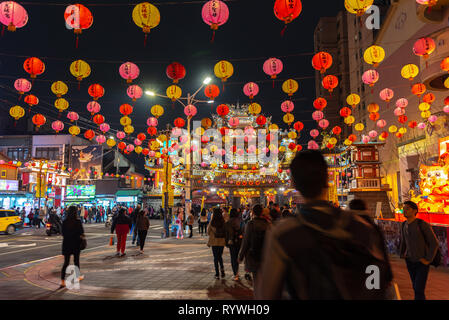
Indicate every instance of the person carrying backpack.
{"type": "Point", "coordinates": [324, 253]}
{"type": "Point", "coordinates": [419, 246]}
{"type": "Point", "coordinates": [234, 237]}
{"type": "Point", "coordinates": [253, 242]}
{"type": "Point", "coordinates": [217, 240]}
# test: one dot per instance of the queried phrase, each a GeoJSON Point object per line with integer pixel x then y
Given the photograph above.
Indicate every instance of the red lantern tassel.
{"type": "Point", "coordinates": [15, 122]}
{"type": "Point", "coordinates": [3, 30]}
{"type": "Point", "coordinates": [213, 37]}
{"type": "Point", "coordinates": [79, 85]}
{"type": "Point", "coordinates": [76, 42]}
{"type": "Point", "coordinates": [20, 97]}
{"type": "Point", "coordinates": [283, 30]}
{"type": "Point", "coordinates": [145, 40]}
{"type": "Point", "coordinates": [273, 83]}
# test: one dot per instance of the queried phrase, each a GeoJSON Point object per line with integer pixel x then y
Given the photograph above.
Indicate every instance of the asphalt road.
{"type": "Point", "coordinates": [30, 244]}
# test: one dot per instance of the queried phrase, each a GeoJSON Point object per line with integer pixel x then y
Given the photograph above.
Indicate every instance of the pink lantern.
{"type": "Point", "coordinates": [446, 109]}
{"type": "Point", "coordinates": [204, 164]}
{"type": "Point", "coordinates": [104, 127]}
{"type": "Point", "coordinates": [137, 142]}
{"type": "Point", "coordinates": [273, 67]}
{"type": "Point", "coordinates": [402, 103]}
{"type": "Point", "coordinates": [129, 71]}
{"type": "Point", "coordinates": [13, 15]}
{"type": "Point", "coordinates": [287, 106]}
{"type": "Point", "coordinates": [100, 139]}
{"type": "Point", "coordinates": [57, 126]}
{"type": "Point", "coordinates": [152, 122]}
{"type": "Point", "coordinates": [215, 13]}
{"type": "Point", "coordinates": [381, 123]}
{"type": "Point", "coordinates": [433, 119]}
{"type": "Point", "coordinates": [152, 153]}
{"type": "Point", "coordinates": [73, 116]}
{"type": "Point", "coordinates": [130, 148]}
{"type": "Point", "coordinates": [312, 145]}
{"type": "Point", "coordinates": [190, 110]}
{"type": "Point", "coordinates": [373, 134]}
{"type": "Point", "coordinates": [22, 85]}
{"type": "Point", "coordinates": [183, 139]}
{"type": "Point", "coordinates": [386, 94]}
{"type": "Point", "coordinates": [314, 133]}
{"type": "Point", "coordinates": [399, 112]}
{"type": "Point", "coordinates": [120, 135]}
{"type": "Point", "coordinates": [134, 92]}
{"type": "Point", "coordinates": [93, 107]}
{"type": "Point", "coordinates": [323, 124]}
{"type": "Point", "coordinates": [422, 126]}
{"type": "Point", "coordinates": [317, 115]}
{"type": "Point", "coordinates": [176, 132]}
{"type": "Point", "coordinates": [370, 77]}
{"type": "Point", "coordinates": [251, 90]}
{"type": "Point", "coordinates": [234, 122]}
{"type": "Point", "coordinates": [365, 139]}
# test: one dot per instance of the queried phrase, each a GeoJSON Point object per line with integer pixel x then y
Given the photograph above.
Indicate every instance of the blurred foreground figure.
{"type": "Point", "coordinates": [325, 252]}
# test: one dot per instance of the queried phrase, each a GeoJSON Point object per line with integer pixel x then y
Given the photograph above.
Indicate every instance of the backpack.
{"type": "Point", "coordinates": [256, 243]}
{"type": "Point", "coordinates": [436, 262]}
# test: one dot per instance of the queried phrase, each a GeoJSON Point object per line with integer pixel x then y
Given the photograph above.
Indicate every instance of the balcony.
{"type": "Point", "coordinates": [362, 183]}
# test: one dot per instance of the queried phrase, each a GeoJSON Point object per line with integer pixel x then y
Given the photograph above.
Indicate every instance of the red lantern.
{"type": "Point", "coordinates": [322, 61]}
{"type": "Point", "coordinates": [89, 134]}
{"type": "Point", "coordinates": [78, 17]}
{"type": "Point", "coordinates": [261, 120]}
{"type": "Point", "coordinates": [320, 103]}
{"type": "Point", "coordinates": [176, 72]}
{"type": "Point", "coordinates": [145, 151]}
{"type": "Point", "coordinates": [98, 119]}
{"type": "Point", "coordinates": [298, 126]}
{"type": "Point", "coordinates": [336, 130]}
{"type": "Point", "coordinates": [330, 82]}
{"type": "Point", "coordinates": [212, 91]}
{"type": "Point", "coordinates": [330, 146]}
{"type": "Point", "coordinates": [121, 145]}
{"type": "Point", "coordinates": [39, 120]}
{"type": "Point", "coordinates": [287, 10]}
{"type": "Point", "coordinates": [399, 135]}
{"type": "Point", "coordinates": [34, 66]}
{"type": "Point", "coordinates": [222, 110]}
{"type": "Point", "coordinates": [384, 135]}
{"type": "Point", "coordinates": [424, 47]}
{"type": "Point", "coordinates": [31, 100]}
{"type": "Point", "coordinates": [179, 122]}
{"type": "Point", "coordinates": [445, 64]}
{"type": "Point", "coordinates": [224, 131]}
{"type": "Point", "coordinates": [292, 146]}
{"type": "Point", "coordinates": [374, 116]}
{"type": "Point", "coordinates": [298, 147]}
{"type": "Point", "coordinates": [345, 112]}
{"type": "Point", "coordinates": [96, 91]}
{"type": "Point", "coordinates": [352, 138]}
{"type": "Point", "coordinates": [446, 101]}
{"type": "Point", "coordinates": [419, 89]}
{"type": "Point", "coordinates": [152, 131]}
{"type": "Point", "coordinates": [126, 109]}
{"type": "Point", "coordinates": [402, 119]}
{"type": "Point", "coordinates": [141, 137]}
{"type": "Point", "coordinates": [429, 98]}
{"type": "Point", "coordinates": [412, 124]}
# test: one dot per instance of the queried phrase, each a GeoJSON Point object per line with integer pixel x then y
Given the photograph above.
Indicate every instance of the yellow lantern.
{"type": "Point", "coordinates": [358, 7]}
{"type": "Point", "coordinates": [138, 149]}
{"type": "Point", "coordinates": [393, 129]}
{"type": "Point", "coordinates": [410, 71]}
{"type": "Point", "coordinates": [16, 112]}
{"type": "Point", "coordinates": [146, 16]}
{"type": "Point", "coordinates": [174, 92]}
{"type": "Point", "coordinates": [374, 55]}
{"type": "Point", "coordinates": [349, 120]}
{"type": "Point", "coordinates": [282, 149]}
{"type": "Point", "coordinates": [353, 99]}
{"type": "Point", "coordinates": [80, 69]}
{"type": "Point", "coordinates": [273, 127]}
{"type": "Point", "coordinates": [204, 152]}
{"type": "Point", "coordinates": [425, 114]}
{"type": "Point", "coordinates": [223, 70]}
{"type": "Point", "coordinates": [254, 108]}
{"type": "Point", "coordinates": [59, 88]}
{"type": "Point", "coordinates": [424, 106]}
{"type": "Point", "coordinates": [125, 121]}
{"type": "Point", "coordinates": [158, 155]}
{"type": "Point", "coordinates": [74, 130]}
{"type": "Point", "coordinates": [245, 167]}
{"type": "Point", "coordinates": [288, 118]}
{"type": "Point", "coordinates": [128, 129]}
{"type": "Point", "coordinates": [348, 142]}
{"type": "Point", "coordinates": [359, 127]}
{"type": "Point", "coordinates": [381, 138]}
{"type": "Point", "coordinates": [154, 145]}
{"type": "Point", "coordinates": [157, 111]}
{"type": "Point", "coordinates": [373, 108]}
{"type": "Point", "coordinates": [111, 142]}
{"type": "Point", "coordinates": [290, 87]}
{"type": "Point", "coordinates": [446, 83]}
{"type": "Point", "coordinates": [162, 138]}
{"type": "Point", "coordinates": [402, 130]}
{"type": "Point", "coordinates": [333, 141]}
{"type": "Point", "coordinates": [200, 131]}
{"type": "Point", "coordinates": [61, 104]}
{"type": "Point", "coordinates": [213, 165]}
{"type": "Point", "coordinates": [292, 135]}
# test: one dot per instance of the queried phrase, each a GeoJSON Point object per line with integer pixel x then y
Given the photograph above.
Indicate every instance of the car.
{"type": "Point", "coordinates": [9, 221]}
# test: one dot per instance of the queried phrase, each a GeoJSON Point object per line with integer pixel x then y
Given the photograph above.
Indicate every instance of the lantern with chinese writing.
{"type": "Point", "coordinates": [89, 134]}
{"type": "Point", "coordinates": [34, 66]}
{"type": "Point", "coordinates": [152, 122]}
{"type": "Point", "coordinates": [287, 10]}
{"type": "Point", "coordinates": [374, 116]}
{"type": "Point", "coordinates": [93, 107]}
{"type": "Point", "coordinates": [288, 118]}
{"type": "Point", "coordinates": [176, 71]}
{"type": "Point", "coordinates": [22, 85]}
{"type": "Point", "coordinates": [317, 115]}
{"type": "Point", "coordinates": [57, 126]}
{"type": "Point", "coordinates": [373, 107]}
{"type": "Point", "coordinates": [120, 135]}
{"type": "Point", "coordinates": [429, 98]}
{"type": "Point", "coordinates": [386, 94]}
{"type": "Point", "coordinates": [74, 130]}
{"type": "Point", "coordinates": [13, 15]}
{"type": "Point", "coordinates": [73, 116]}
{"type": "Point", "coordinates": [419, 89]}
{"type": "Point", "coordinates": [61, 104]}
{"type": "Point", "coordinates": [423, 47]}
{"type": "Point", "coordinates": [410, 71]}
{"type": "Point", "coordinates": [31, 100]}
{"type": "Point", "coordinates": [190, 111]}
{"type": "Point", "coordinates": [273, 67]}
{"type": "Point", "coordinates": [298, 126]}
{"type": "Point", "coordinates": [146, 16]}
{"type": "Point", "coordinates": [134, 92]}
{"type": "Point", "coordinates": [358, 7]}
{"type": "Point", "coordinates": [254, 108]}
{"type": "Point", "coordinates": [402, 103]}
{"type": "Point", "coordinates": [359, 127]}
{"type": "Point", "coordinates": [336, 130]}
{"type": "Point", "coordinates": [80, 70]}
{"type": "Point", "coordinates": [322, 61]}
{"type": "Point", "coordinates": [126, 109]}
{"type": "Point", "coordinates": [104, 127]}
{"type": "Point", "coordinates": [261, 120]}
{"type": "Point", "coordinates": [287, 106]}
{"type": "Point", "coordinates": [349, 120]}
{"type": "Point", "coordinates": [39, 120]}
{"type": "Point", "coordinates": [223, 70]}
{"type": "Point", "coordinates": [211, 91]}
{"type": "Point", "coordinates": [374, 55]}
{"type": "Point", "coordinates": [129, 71]}
{"type": "Point", "coordinates": [353, 99]}
{"type": "Point", "coordinates": [345, 112]}
{"type": "Point", "coordinates": [215, 13]}
{"type": "Point", "coordinates": [128, 129]}
{"type": "Point", "coordinates": [78, 17]}
{"type": "Point", "coordinates": [125, 121]}
{"type": "Point", "coordinates": [402, 119]}
{"type": "Point", "coordinates": [381, 123]}
{"type": "Point", "coordinates": [330, 82]}
{"type": "Point", "coordinates": [399, 112]}
{"type": "Point", "coordinates": [98, 119]}
{"type": "Point", "coordinates": [179, 122]}
{"type": "Point", "coordinates": [314, 133]}
{"type": "Point", "coordinates": [16, 112]}
{"type": "Point", "coordinates": [370, 77]}
{"type": "Point", "coordinates": [59, 88]}
{"type": "Point", "coordinates": [152, 131]}
{"type": "Point", "coordinates": [320, 103]}
{"type": "Point", "coordinates": [222, 110]}
{"type": "Point", "coordinates": [251, 90]}
{"type": "Point", "coordinates": [96, 91]}
{"type": "Point", "coordinates": [290, 87]}
{"type": "Point", "coordinates": [100, 139]}
{"type": "Point", "coordinates": [174, 92]}
{"type": "Point", "coordinates": [323, 123]}
{"type": "Point", "coordinates": [157, 110]}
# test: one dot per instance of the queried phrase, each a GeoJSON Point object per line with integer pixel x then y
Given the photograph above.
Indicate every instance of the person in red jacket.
{"type": "Point", "coordinates": [121, 224]}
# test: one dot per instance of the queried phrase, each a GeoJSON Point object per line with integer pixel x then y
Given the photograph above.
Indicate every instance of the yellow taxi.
{"type": "Point", "coordinates": [9, 221]}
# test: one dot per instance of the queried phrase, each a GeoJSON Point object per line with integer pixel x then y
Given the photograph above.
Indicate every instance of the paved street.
{"type": "Point", "coordinates": [30, 265]}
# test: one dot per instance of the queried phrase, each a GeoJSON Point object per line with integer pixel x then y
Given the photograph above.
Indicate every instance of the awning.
{"type": "Point", "coordinates": [128, 193]}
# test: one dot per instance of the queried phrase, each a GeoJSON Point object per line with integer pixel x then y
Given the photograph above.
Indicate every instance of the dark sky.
{"type": "Point", "coordinates": [251, 35]}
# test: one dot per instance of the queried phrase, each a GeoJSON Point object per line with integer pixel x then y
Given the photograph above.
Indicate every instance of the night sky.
{"type": "Point", "coordinates": [251, 35]}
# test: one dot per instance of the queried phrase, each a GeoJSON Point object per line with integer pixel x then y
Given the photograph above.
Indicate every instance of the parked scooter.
{"type": "Point", "coordinates": [52, 228]}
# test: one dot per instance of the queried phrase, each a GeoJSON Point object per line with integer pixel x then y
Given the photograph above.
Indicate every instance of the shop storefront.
{"type": "Point", "coordinates": [129, 198]}
{"type": "Point", "coordinates": [9, 200]}
{"type": "Point", "coordinates": [106, 190]}
{"type": "Point", "coordinates": [80, 195]}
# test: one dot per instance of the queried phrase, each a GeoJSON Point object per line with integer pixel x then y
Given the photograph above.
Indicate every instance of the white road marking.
{"type": "Point", "coordinates": [3, 245]}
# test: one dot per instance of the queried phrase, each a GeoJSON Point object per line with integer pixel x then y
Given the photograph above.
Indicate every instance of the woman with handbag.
{"type": "Point", "coordinates": [217, 234]}
{"type": "Point", "coordinates": [142, 225]}
{"type": "Point", "coordinates": [73, 242]}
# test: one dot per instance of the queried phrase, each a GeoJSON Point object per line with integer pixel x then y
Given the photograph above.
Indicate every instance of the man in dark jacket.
{"type": "Point", "coordinates": [323, 253]}
{"type": "Point", "coordinates": [134, 215]}
{"type": "Point", "coordinates": [253, 240]}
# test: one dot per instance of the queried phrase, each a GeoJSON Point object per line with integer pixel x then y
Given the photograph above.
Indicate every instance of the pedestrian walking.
{"type": "Point", "coordinates": [142, 226]}
{"type": "Point", "coordinates": [217, 240]}
{"type": "Point", "coordinates": [253, 241]}
{"type": "Point", "coordinates": [418, 246]}
{"type": "Point", "coordinates": [41, 218]}
{"type": "Point", "coordinates": [324, 252]}
{"type": "Point", "coordinates": [133, 216]}
{"type": "Point", "coordinates": [234, 238]}
{"type": "Point", "coordinates": [31, 218]}
{"type": "Point", "coordinates": [203, 222]}
{"type": "Point", "coordinates": [121, 224]}
{"type": "Point", "coordinates": [179, 218]}
{"type": "Point", "coordinates": [73, 234]}
{"type": "Point", "coordinates": [190, 221]}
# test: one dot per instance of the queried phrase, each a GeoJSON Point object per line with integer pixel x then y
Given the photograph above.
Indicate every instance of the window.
{"type": "Point", "coordinates": [2, 214]}
{"type": "Point", "coordinates": [3, 174]}
{"type": "Point", "coordinates": [18, 153]}
{"type": "Point", "coordinates": [12, 214]}
{"type": "Point", "coordinates": [48, 153]}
